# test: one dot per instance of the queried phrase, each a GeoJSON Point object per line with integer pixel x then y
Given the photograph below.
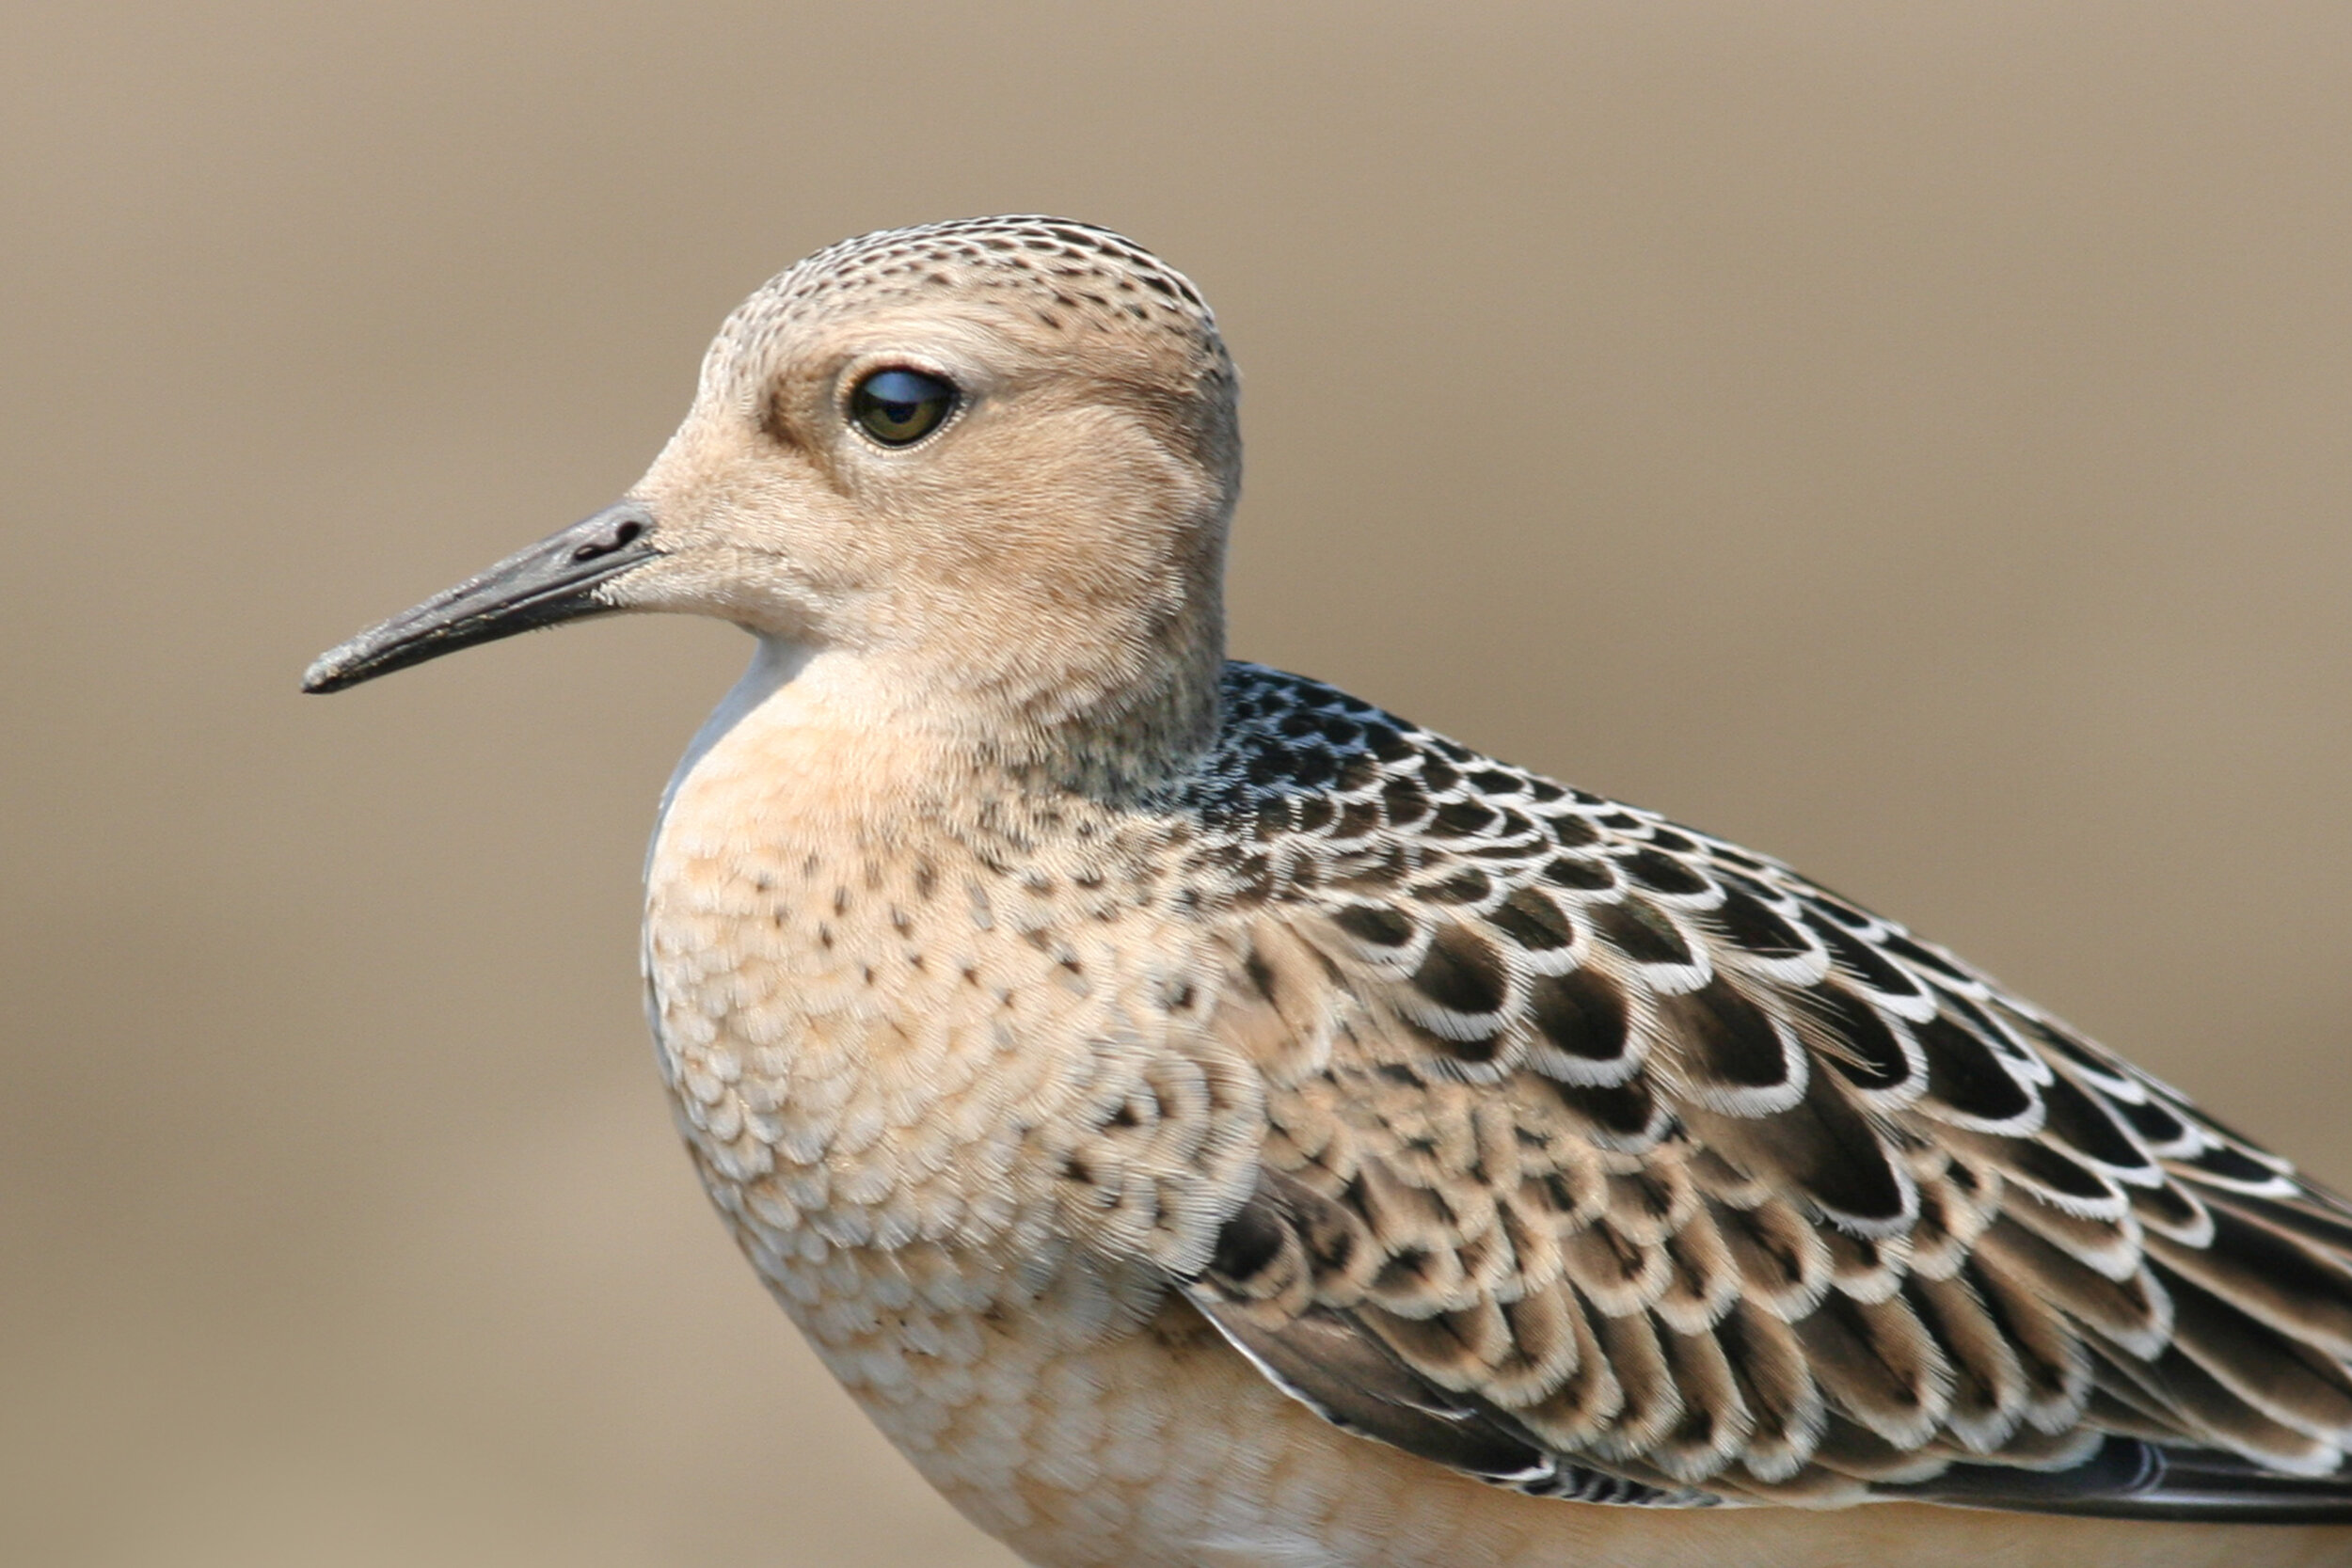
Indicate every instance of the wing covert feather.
{"type": "Point", "coordinates": [1606, 1159]}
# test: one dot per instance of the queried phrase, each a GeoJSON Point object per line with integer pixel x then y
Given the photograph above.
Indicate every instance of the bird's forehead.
{"type": "Point", "coordinates": [1045, 279]}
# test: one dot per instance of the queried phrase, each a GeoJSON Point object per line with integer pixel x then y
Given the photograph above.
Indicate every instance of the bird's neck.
{"type": "Point", "coordinates": [834, 746]}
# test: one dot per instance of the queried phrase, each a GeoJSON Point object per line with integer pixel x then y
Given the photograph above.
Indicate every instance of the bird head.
{"type": "Point", "coordinates": [984, 469]}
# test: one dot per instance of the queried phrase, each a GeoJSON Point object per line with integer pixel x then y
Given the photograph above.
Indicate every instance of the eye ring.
{"type": "Point", "coordinates": [898, 405]}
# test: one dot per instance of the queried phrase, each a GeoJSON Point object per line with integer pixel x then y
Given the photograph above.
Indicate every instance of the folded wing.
{"type": "Point", "coordinates": [1609, 1160]}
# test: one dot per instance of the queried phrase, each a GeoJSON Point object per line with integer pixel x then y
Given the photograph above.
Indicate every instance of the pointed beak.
{"type": "Point", "coordinates": [562, 577]}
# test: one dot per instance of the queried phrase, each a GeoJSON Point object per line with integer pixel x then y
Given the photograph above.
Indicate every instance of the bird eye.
{"type": "Point", "coordinates": [899, 406]}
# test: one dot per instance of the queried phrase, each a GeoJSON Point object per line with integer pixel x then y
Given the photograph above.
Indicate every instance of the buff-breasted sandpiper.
{"type": "Point", "coordinates": [1208, 1120]}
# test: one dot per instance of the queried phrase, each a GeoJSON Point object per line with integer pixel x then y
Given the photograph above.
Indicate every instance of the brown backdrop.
{"type": "Point", "coordinates": [1910, 438]}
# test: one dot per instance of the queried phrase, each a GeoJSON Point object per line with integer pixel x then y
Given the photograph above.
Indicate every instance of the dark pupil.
{"type": "Point", "coordinates": [898, 406]}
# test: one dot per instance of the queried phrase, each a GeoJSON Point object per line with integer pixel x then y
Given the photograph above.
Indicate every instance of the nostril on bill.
{"type": "Point", "coordinates": [620, 537]}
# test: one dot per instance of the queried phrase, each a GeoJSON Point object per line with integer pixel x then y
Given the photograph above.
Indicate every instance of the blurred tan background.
{"type": "Point", "coordinates": [1914, 440]}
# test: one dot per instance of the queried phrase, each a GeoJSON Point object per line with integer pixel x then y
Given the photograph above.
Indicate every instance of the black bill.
{"type": "Point", "coordinates": [555, 579]}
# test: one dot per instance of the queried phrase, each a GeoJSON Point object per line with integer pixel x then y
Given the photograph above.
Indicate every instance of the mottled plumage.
{"type": "Point", "coordinates": [1662, 1165]}
{"type": "Point", "coordinates": [1208, 1120]}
